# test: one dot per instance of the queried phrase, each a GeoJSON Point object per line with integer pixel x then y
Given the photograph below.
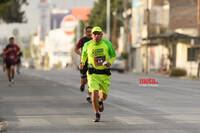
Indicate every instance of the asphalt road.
{"type": "Point", "coordinates": [50, 102]}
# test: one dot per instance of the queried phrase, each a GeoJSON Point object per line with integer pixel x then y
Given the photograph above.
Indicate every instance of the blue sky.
{"type": "Point", "coordinates": [32, 14]}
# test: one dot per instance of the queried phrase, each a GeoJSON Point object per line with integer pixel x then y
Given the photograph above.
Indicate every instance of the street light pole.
{"type": "Point", "coordinates": [108, 20]}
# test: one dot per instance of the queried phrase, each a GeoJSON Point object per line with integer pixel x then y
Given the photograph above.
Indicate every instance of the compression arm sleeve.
{"type": "Point", "coordinates": [84, 54]}
{"type": "Point", "coordinates": [111, 52]}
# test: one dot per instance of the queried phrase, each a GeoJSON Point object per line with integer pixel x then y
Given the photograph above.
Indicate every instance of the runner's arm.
{"type": "Point", "coordinates": [84, 55]}
{"type": "Point", "coordinates": [5, 51]}
{"type": "Point", "coordinates": [112, 60]}
{"type": "Point", "coordinates": [111, 52]}
{"type": "Point", "coordinates": [76, 50]}
{"type": "Point", "coordinates": [18, 50]}
{"type": "Point", "coordinates": [78, 46]}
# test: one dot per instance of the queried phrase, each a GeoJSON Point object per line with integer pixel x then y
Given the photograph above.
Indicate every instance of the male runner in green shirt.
{"type": "Point", "coordinates": [100, 54]}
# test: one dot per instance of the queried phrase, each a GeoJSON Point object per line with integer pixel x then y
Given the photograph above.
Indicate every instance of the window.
{"type": "Point", "coordinates": [192, 54]}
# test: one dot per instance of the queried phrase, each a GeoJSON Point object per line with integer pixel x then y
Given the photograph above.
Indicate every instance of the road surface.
{"type": "Point", "coordinates": [50, 102]}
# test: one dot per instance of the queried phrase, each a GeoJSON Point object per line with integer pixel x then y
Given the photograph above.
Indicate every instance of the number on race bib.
{"type": "Point", "coordinates": [98, 61]}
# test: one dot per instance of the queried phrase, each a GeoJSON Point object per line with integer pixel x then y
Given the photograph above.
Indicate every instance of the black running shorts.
{"type": "Point", "coordinates": [9, 64]}
{"type": "Point", "coordinates": [84, 71]}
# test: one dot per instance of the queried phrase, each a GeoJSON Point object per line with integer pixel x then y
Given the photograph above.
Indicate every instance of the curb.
{"type": "Point", "coordinates": [3, 126]}
{"type": "Point", "coordinates": [166, 76]}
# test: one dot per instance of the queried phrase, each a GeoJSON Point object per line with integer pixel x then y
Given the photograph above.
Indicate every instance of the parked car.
{"type": "Point", "coordinates": [118, 65]}
{"type": "Point", "coordinates": [28, 63]}
{"type": "Point", "coordinates": [25, 63]}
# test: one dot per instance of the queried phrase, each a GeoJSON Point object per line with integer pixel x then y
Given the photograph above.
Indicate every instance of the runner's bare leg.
{"type": "Point", "coordinates": [95, 102]}
{"type": "Point", "coordinates": [8, 72]}
{"type": "Point", "coordinates": [12, 71]}
{"type": "Point", "coordinates": [102, 96]}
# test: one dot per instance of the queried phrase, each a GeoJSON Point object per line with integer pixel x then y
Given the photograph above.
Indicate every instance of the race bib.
{"type": "Point", "coordinates": [98, 61]}
{"type": "Point", "coordinates": [12, 56]}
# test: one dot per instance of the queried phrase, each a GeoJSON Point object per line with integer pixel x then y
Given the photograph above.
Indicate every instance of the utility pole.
{"type": "Point", "coordinates": [198, 16]}
{"type": "Point", "coordinates": [108, 20]}
{"type": "Point", "coordinates": [114, 31]}
{"type": "Point", "coordinates": [147, 38]}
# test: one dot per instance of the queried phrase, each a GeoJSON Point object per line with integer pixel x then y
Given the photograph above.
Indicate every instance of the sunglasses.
{"type": "Point", "coordinates": [97, 33]}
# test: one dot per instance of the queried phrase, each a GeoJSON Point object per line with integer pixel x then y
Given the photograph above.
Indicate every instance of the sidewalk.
{"type": "Point", "coordinates": [163, 76]}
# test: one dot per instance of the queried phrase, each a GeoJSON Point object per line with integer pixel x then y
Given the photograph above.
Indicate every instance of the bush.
{"type": "Point", "coordinates": [193, 77]}
{"type": "Point", "coordinates": [176, 72]}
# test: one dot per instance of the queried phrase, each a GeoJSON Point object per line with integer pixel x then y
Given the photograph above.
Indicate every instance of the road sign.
{"type": "Point", "coordinates": [68, 24]}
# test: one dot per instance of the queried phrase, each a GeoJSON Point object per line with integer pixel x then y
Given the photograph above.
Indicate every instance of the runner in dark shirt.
{"type": "Point", "coordinates": [78, 50]}
{"type": "Point", "coordinates": [11, 52]}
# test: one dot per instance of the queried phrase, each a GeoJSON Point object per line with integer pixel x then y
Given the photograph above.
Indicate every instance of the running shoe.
{"type": "Point", "coordinates": [89, 99]}
{"type": "Point", "coordinates": [10, 84]}
{"type": "Point", "coordinates": [97, 119]}
{"type": "Point", "coordinates": [82, 88]}
{"type": "Point", "coordinates": [12, 81]}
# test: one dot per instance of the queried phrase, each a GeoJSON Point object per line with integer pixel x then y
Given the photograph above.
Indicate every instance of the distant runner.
{"type": "Point", "coordinates": [100, 54]}
{"type": "Point", "coordinates": [79, 45]}
{"type": "Point", "coordinates": [11, 52]}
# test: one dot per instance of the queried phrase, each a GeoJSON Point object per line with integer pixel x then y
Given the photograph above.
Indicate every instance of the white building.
{"type": "Point", "coordinates": [60, 42]}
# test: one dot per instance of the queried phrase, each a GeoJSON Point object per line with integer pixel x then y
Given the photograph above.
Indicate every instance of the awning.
{"type": "Point", "coordinates": [174, 35]}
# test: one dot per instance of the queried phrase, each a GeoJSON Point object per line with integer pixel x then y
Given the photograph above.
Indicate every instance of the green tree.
{"type": "Point", "coordinates": [10, 11]}
{"type": "Point", "coordinates": [98, 15]}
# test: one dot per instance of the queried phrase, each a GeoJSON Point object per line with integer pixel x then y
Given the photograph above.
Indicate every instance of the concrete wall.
{"type": "Point", "coordinates": [181, 59]}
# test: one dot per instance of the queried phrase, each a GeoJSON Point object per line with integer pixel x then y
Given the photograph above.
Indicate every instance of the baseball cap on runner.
{"type": "Point", "coordinates": [96, 28]}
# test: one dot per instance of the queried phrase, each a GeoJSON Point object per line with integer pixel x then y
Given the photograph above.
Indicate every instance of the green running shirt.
{"type": "Point", "coordinates": [98, 53]}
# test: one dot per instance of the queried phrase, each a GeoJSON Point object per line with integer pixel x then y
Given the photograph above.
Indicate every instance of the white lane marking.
{"type": "Point", "coordinates": [32, 122]}
{"type": "Point", "coordinates": [108, 123]}
{"type": "Point", "coordinates": [134, 120]}
{"type": "Point", "coordinates": [62, 81]}
{"type": "Point", "coordinates": [184, 118]}
{"type": "Point", "coordinates": [79, 121]}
